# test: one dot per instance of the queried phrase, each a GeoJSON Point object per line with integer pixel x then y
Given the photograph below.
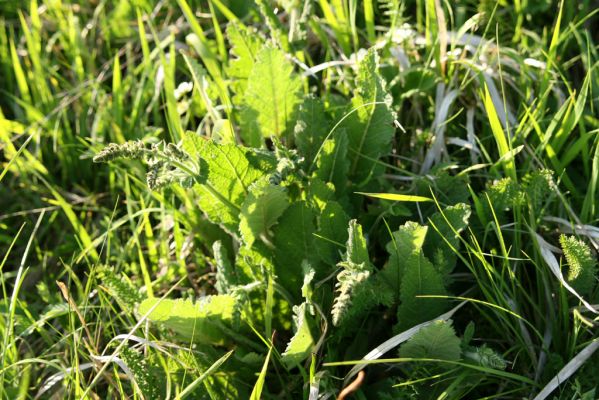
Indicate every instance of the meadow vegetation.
{"type": "Point", "coordinates": [221, 199]}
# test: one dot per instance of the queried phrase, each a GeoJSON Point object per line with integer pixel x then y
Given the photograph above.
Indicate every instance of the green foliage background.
{"type": "Point", "coordinates": [286, 185]}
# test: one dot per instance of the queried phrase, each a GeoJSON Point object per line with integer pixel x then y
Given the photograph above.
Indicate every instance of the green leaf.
{"type": "Point", "coordinates": [332, 164]}
{"type": "Point", "coordinates": [582, 266]}
{"type": "Point", "coordinates": [294, 243]}
{"type": "Point", "coordinates": [539, 186]}
{"type": "Point", "coordinates": [370, 127]}
{"type": "Point", "coordinates": [261, 210]}
{"type": "Point", "coordinates": [405, 242]}
{"type": "Point", "coordinates": [245, 43]}
{"type": "Point", "coordinates": [332, 231]}
{"type": "Point", "coordinates": [356, 294]}
{"type": "Point", "coordinates": [357, 251]}
{"type": "Point", "coordinates": [446, 226]}
{"type": "Point", "coordinates": [226, 173]}
{"type": "Point", "coordinates": [143, 372]}
{"type": "Point", "coordinates": [311, 128]}
{"type": "Point", "coordinates": [202, 321]}
{"type": "Point", "coordinates": [272, 97]}
{"type": "Point", "coordinates": [255, 260]}
{"type": "Point", "coordinates": [227, 276]}
{"type": "Point", "coordinates": [420, 278]}
{"type": "Point", "coordinates": [319, 193]}
{"type": "Point", "coordinates": [437, 340]}
{"type": "Point", "coordinates": [301, 344]}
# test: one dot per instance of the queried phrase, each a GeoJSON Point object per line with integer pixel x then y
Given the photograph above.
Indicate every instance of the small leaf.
{"type": "Point", "coordinates": [294, 243]}
{"type": "Point", "coordinates": [420, 278]}
{"type": "Point", "coordinates": [332, 164]}
{"type": "Point", "coordinates": [437, 340]}
{"type": "Point", "coordinates": [332, 231]}
{"type": "Point", "coordinates": [357, 252]}
{"type": "Point", "coordinates": [301, 344]}
{"type": "Point", "coordinates": [201, 322]}
{"type": "Point", "coordinates": [271, 99]}
{"type": "Point", "coordinates": [446, 225]}
{"type": "Point", "coordinates": [582, 266]}
{"type": "Point", "coordinates": [245, 43]}
{"type": "Point", "coordinates": [261, 210]}
{"type": "Point", "coordinates": [370, 126]}
{"type": "Point", "coordinates": [311, 128]}
{"type": "Point", "coordinates": [405, 242]}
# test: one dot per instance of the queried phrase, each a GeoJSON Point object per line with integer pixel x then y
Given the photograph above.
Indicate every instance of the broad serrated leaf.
{"type": "Point", "coordinates": [319, 193]}
{"type": "Point", "coordinates": [437, 341]}
{"type": "Point", "coordinates": [202, 321]}
{"type": "Point", "coordinates": [227, 276]}
{"type": "Point", "coordinates": [311, 128]}
{"type": "Point", "coordinates": [271, 99]}
{"type": "Point", "coordinates": [446, 226]}
{"type": "Point", "coordinates": [144, 373]}
{"type": "Point", "coordinates": [294, 243]}
{"type": "Point", "coordinates": [245, 44]}
{"type": "Point", "coordinates": [356, 249]}
{"type": "Point", "coordinates": [582, 266]}
{"type": "Point", "coordinates": [254, 261]}
{"type": "Point", "coordinates": [332, 164]}
{"type": "Point", "coordinates": [302, 342]}
{"type": "Point", "coordinates": [370, 127]}
{"type": "Point", "coordinates": [420, 278]}
{"type": "Point", "coordinates": [332, 231]}
{"type": "Point", "coordinates": [347, 287]}
{"type": "Point", "coordinates": [261, 210]}
{"type": "Point", "coordinates": [405, 242]}
{"type": "Point", "coordinates": [356, 292]}
{"type": "Point", "coordinates": [226, 173]}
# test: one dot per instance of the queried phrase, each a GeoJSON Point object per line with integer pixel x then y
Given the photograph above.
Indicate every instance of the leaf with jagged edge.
{"type": "Point", "coordinates": [370, 127]}
{"type": "Point", "coordinates": [582, 266]}
{"type": "Point", "coordinates": [271, 99]}
{"type": "Point", "coordinates": [407, 240]}
{"type": "Point", "coordinates": [332, 229]}
{"type": "Point", "coordinates": [119, 288]}
{"type": "Point", "coordinates": [539, 186]}
{"type": "Point", "coordinates": [245, 44]}
{"type": "Point", "coordinates": [420, 278]}
{"type": "Point", "coordinates": [357, 251]}
{"type": "Point", "coordinates": [311, 128]}
{"type": "Point", "coordinates": [293, 238]}
{"type": "Point", "coordinates": [203, 321]}
{"type": "Point", "coordinates": [260, 211]}
{"type": "Point", "coordinates": [357, 293]}
{"type": "Point", "coordinates": [302, 342]}
{"type": "Point", "coordinates": [332, 163]}
{"type": "Point", "coordinates": [502, 194]}
{"type": "Point", "coordinates": [255, 261]}
{"type": "Point", "coordinates": [226, 173]}
{"type": "Point", "coordinates": [144, 373]}
{"type": "Point", "coordinates": [446, 225]}
{"type": "Point", "coordinates": [227, 275]}
{"type": "Point", "coordinates": [437, 341]}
